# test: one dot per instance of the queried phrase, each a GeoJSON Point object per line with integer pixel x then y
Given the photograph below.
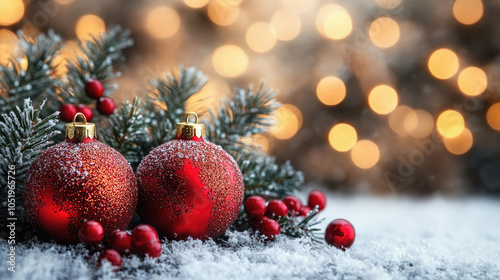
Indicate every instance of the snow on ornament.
{"type": "Point", "coordinates": [189, 187]}
{"type": "Point", "coordinates": [76, 180]}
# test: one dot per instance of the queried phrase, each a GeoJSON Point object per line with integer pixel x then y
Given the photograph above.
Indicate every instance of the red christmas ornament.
{"type": "Point", "coordinates": [105, 106]}
{"type": "Point", "coordinates": [91, 233]}
{"type": "Point", "coordinates": [268, 227]}
{"type": "Point", "coordinates": [85, 110]}
{"type": "Point", "coordinates": [340, 233]}
{"type": "Point", "coordinates": [151, 248]}
{"type": "Point", "coordinates": [255, 206]}
{"type": "Point", "coordinates": [112, 257]}
{"type": "Point", "coordinates": [293, 204]}
{"type": "Point", "coordinates": [67, 112]}
{"type": "Point", "coordinates": [142, 234]}
{"type": "Point", "coordinates": [93, 88]}
{"type": "Point", "coordinates": [317, 198]}
{"type": "Point", "coordinates": [77, 180]}
{"type": "Point", "coordinates": [189, 186]}
{"type": "Point", "coordinates": [121, 241]}
{"type": "Point", "coordinates": [304, 210]}
{"type": "Point", "coordinates": [276, 208]}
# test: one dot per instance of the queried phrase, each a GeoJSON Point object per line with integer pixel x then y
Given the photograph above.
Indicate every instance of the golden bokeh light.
{"type": "Point", "coordinates": [162, 22]}
{"type": "Point", "coordinates": [333, 22]}
{"type": "Point", "coordinates": [286, 24]}
{"type": "Point", "coordinates": [64, 2]}
{"type": "Point", "coordinates": [261, 37]}
{"type": "Point", "coordinates": [388, 4]}
{"type": "Point", "coordinates": [450, 123]}
{"type": "Point", "coordinates": [11, 11]}
{"type": "Point", "coordinates": [209, 96]}
{"type": "Point", "coordinates": [89, 25]}
{"type": "Point", "coordinates": [468, 11]}
{"type": "Point", "coordinates": [397, 117]}
{"type": "Point", "coordinates": [288, 121]}
{"type": "Point", "coordinates": [418, 123]}
{"type": "Point", "coordinates": [230, 61]}
{"type": "Point", "coordinates": [384, 32]}
{"type": "Point", "coordinates": [443, 63]}
{"type": "Point", "coordinates": [298, 6]}
{"type": "Point", "coordinates": [70, 50]}
{"type": "Point", "coordinates": [493, 116]}
{"type": "Point", "coordinates": [221, 14]}
{"type": "Point", "coordinates": [331, 90]}
{"type": "Point", "coordinates": [342, 137]}
{"type": "Point", "coordinates": [365, 154]}
{"type": "Point", "coordinates": [258, 140]}
{"type": "Point", "coordinates": [383, 99]}
{"type": "Point", "coordinates": [8, 45]}
{"type": "Point", "coordinates": [472, 81]}
{"type": "Point", "coordinates": [196, 4]}
{"type": "Point", "coordinates": [460, 144]}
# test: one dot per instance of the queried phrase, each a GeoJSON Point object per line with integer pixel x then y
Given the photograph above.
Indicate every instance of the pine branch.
{"type": "Point", "coordinates": [296, 227]}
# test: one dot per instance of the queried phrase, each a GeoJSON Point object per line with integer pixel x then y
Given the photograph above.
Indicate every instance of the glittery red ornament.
{"type": "Point", "coordinates": [340, 233]}
{"type": "Point", "coordinates": [93, 88]}
{"type": "Point", "coordinates": [189, 186]}
{"type": "Point", "coordinates": [76, 180]}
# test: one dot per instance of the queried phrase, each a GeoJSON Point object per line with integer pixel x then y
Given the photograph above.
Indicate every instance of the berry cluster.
{"type": "Point", "coordinates": [265, 216]}
{"type": "Point", "coordinates": [142, 241]}
{"type": "Point", "coordinates": [93, 89]}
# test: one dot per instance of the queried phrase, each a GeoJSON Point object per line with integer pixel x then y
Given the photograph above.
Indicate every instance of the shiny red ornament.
{"type": "Point", "coordinates": [77, 180]}
{"type": "Point", "coordinates": [293, 203]}
{"type": "Point", "coordinates": [189, 186]}
{"type": "Point", "coordinates": [340, 233]}
{"type": "Point", "coordinates": [112, 256]}
{"type": "Point", "coordinates": [255, 206]}
{"type": "Point", "coordinates": [276, 208]}
{"type": "Point", "coordinates": [121, 241]}
{"type": "Point", "coordinates": [304, 210]}
{"type": "Point", "coordinates": [142, 234]}
{"type": "Point", "coordinates": [67, 112]}
{"type": "Point", "coordinates": [84, 109]}
{"type": "Point", "coordinates": [91, 233]}
{"type": "Point", "coordinates": [317, 198]}
{"type": "Point", "coordinates": [268, 227]}
{"type": "Point", "coordinates": [151, 249]}
{"type": "Point", "coordinates": [105, 106]}
{"type": "Point", "coordinates": [93, 88]}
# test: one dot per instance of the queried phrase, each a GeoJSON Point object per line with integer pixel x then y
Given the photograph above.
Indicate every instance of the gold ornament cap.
{"type": "Point", "coordinates": [80, 131]}
{"type": "Point", "coordinates": [188, 130]}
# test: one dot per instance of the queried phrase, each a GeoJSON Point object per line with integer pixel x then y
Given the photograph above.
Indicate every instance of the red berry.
{"type": "Point", "coordinates": [268, 227]}
{"type": "Point", "coordinates": [105, 106]}
{"type": "Point", "coordinates": [121, 241]}
{"type": "Point", "coordinates": [93, 88]}
{"type": "Point", "coordinates": [304, 210]}
{"type": "Point", "coordinates": [255, 206]}
{"type": "Point", "coordinates": [293, 204]}
{"type": "Point", "coordinates": [317, 198]}
{"type": "Point", "coordinates": [276, 208]}
{"type": "Point", "coordinates": [340, 233]}
{"type": "Point", "coordinates": [91, 233]}
{"type": "Point", "coordinates": [151, 248]}
{"type": "Point", "coordinates": [142, 234]}
{"type": "Point", "coordinates": [111, 256]}
{"type": "Point", "coordinates": [67, 112]}
{"type": "Point", "coordinates": [84, 109]}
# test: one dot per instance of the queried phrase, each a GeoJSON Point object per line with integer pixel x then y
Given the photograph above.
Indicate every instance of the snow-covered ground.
{"type": "Point", "coordinates": [396, 238]}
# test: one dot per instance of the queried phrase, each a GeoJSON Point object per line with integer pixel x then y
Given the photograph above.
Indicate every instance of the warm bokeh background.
{"type": "Point", "coordinates": [379, 95]}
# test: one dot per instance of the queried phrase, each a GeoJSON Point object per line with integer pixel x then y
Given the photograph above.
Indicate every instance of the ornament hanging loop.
{"type": "Point", "coordinates": [80, 131]}
{"type": "Point", "coordinates": [190, 130]}
{"type": "Point", "coordinates": [192, 114]}
{"type": "Point", "coordinates": [84, 118]}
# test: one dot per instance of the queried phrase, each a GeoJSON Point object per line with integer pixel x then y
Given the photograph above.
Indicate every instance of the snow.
{"type": "Point", "coordinates": [396, 238]}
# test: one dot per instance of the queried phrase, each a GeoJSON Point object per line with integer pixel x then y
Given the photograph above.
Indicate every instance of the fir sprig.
{"type": "Point", "coordinates": [295, 227]}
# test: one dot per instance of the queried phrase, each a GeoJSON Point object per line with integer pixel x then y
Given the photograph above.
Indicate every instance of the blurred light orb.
{"type": "Point", "coordinates": [196, 4]}
{"type": "Point", "coordinates": [8, 45]}
{"type": "Point", "coordinates": [230, 61]}
{"type": "Point", "coordinates": [493, 116]}
{"type": "Point", "coordinates": [450, 123]}
{"type": "Point", "coordinates": [443, 63]}
{"type": "Point", "coordinates": [163, 22]}
{"type": "Point", "coordinates": [418, 123]}
{"type": "Point", "coordinates": [472, 81]}
{"type": "Point", "coordinates": [261, 37]}
{"type": "Point", "coordinates": [286, 24]}
{"type": "Point", "coordinates": [342, 137]}
{"type": "Point", "coordinates": [209, 96]}
{"type": "Point", "coordinates": [64, 2]}
{"type": "Point", "coordinates": [388, 4]}
{"type": "Point", "coordinates": [11, 11]}
{"type": "Point", "coordinates": [68, 52]}
{"type": "Point", "coordinates": [460, 144]}
{"type": "Point", "coordinates": [288, 121]}
{"type": "Point", "coordinates": [89, 25]}
{"type": "Point", "coordinates": [384, 32]}
{"type": "Point", "coordinates": [298, 6]}
{"type": "Point", "coordinates": [468, 11]}
{"type": "Point", "coordinates": [331, 90]}
{"type": "Point", "coordinates": [397, 117]}
{"type": "Point", "coordinates": [383, 99]}
{"type": "Point", "coordinates": [365, 154]}
{"type": "Point", "coordinates": [222, 14]}
{"type": "Point", "coordinates": [333, 22]}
